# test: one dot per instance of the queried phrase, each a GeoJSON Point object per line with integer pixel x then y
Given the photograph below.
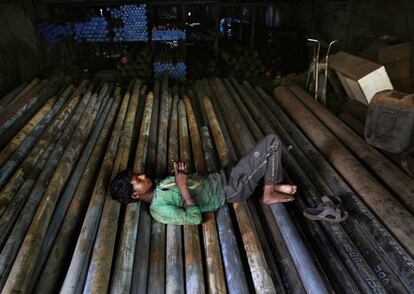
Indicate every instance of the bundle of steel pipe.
{"type": "Point", "coordinates": [241, 62]}
{"type": "Point", "coordinates": [169, 60]}
{"type": "Point", "coordinates": [60, 230]}
{"type": "Point", "coordinates": [139, 63]}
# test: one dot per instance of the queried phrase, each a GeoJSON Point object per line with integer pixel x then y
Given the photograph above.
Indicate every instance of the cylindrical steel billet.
{"type": "Point", "coordinates": [4, 101]}
{"type": "Point", "coordinates": [12, 97]}
{"type": "Point", "coordinates": [76, 274]}
{"type": "Point", "coordinates": [236, 279]}
{"type": "Point", "coordinates": [58, 123]}
{"type": "Point", "coordinates": [49, 136]}
{"type": "Point", "coordinates": [124, 261]}
{"type": "Point", "coordinates": [174, 246]}
{"type": "Point", "coordinates": [21, 272]}
{"type": "Point", "coordinates": [10, 110]}
{"type": "Point", "coordinates": [192, 250]}
{"type": "Point", "coordinates": [152, 144]}
{"type": "Point", "coordinates": [398, 259]}
{"type": "Point", "coordinates": [215, 272]}
{"type": "Point", "coordinates": [100, 266]}
{"type": "Point", "coordinates": [397, 181]}
{"type": "Point", "coordinates": [49, 279]}
{"type": "Point", "coordinates": [24, 132]}
{"type": "Point", "coordinates": [397, 219]}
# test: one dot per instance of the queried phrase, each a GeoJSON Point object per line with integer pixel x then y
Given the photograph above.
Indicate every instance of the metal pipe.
{"type": "Point", "coordinates": [99, 272]}
{"type": "Point", "coordinates": [76, 274]}
{"type": "Point", "coordinates": [397, 258]}
{"type": "Point", "coordinates": [142, 248]}
{"type": "Point", "coordinates": [59, 251]}
{"type": "Point", "coordinates": [21, 272]}
{"type": "Point", "coordinates": [325, 84]}
{"type": "Point", "coordinates": [399, 182]}
{"type": "Point", "coordinates": [192, 249]}
{"type": "Point", "coordinates": [175, 280]}
{"type": "Point", "coordinates": [397, 219]}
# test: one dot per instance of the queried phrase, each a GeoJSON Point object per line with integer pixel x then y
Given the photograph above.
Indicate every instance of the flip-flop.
{"type": "Point", "coordinates": [326, 211]}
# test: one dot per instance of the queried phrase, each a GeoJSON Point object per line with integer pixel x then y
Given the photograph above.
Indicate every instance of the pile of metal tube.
{"type": "Point", "coordinates": [139, 63]}
{"type": "Point", "coordinates": [169, 60]}
{"type": "Point", "coordinates": [60, 230]}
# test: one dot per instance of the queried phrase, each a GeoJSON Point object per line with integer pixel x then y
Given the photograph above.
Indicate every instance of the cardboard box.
{"type": "Point", "coordinates": [361, 78]}
{"type": "Point", "coordinates": [395, 53]}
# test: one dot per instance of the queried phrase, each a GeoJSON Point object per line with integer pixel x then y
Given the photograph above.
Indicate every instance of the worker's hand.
{"type": "Point", "coordinates": [180, 171]}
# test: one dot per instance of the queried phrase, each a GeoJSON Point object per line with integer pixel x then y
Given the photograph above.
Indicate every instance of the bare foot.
{"type": "Point", "coordinates": [285, 188]}
{"type": "Point", "coordinates": [271, 196]}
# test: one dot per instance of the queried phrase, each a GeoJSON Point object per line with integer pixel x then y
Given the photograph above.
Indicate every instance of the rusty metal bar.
{"type": "Point", "coordinates": [192, 249]}
{"type": "Point", "coordinates": [396, 218]}
{"type": "Point", "coordinates": [51, 135]}
{"type": "Point", "coordinates": [98, 277]}
{"type": "Point", "coordinates": [396, 180]}
{"type": "Point", "coordinates": [124, 260]}
{"type": "Point", "coordinates": [174, 246]}
{"type": "Point", "coordinates": [140, 267]}
{"type": "Point", "coordinates": [39, 131]}
{"type": "Point", "coordinates": [157, 275]}
{"type": "Point", "coordinates": [336, 267]}
{"type": "Point", "coordinates": [60, 249]}
{"type": "Point", "coordinates": [11, 109]}
{"type": "Point", "coordinates": [15, 142]}
{"type": "Point", "coordinates": [10, 96]}
{"type": "Point", "coordinates": [243, 140]}
{"type": "Point", "coordinates": [21, 272]}
{"type": "Point", "coordinates": [395, 256]}
{"type": "Point", "coordinates": [76, 274]}
{"type": "Point", "coordinates": [236, 279]}
{"type": "Point", "coordinates": [215, 273]}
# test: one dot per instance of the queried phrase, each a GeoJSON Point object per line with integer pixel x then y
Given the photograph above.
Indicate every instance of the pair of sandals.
{"type": "Point", "coordinates": [329, 210]}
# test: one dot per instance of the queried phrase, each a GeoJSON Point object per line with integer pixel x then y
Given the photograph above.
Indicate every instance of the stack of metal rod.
{"type": "Point", "coordinates": [200, 63]}
{"type": "Point", "coordinates": [241, 62]}
{"type": "Point", "coordinates": [139, 63]}
{"type": "Point", "coordinates": [169, 60]}
{"type": "Point", "coordinates": [60, 230]}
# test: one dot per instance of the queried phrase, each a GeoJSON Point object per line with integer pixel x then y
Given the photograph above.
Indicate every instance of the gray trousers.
{"type": "Point", "coordinates": [264, 161]}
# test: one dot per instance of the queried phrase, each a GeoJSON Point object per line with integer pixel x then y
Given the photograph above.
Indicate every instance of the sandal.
{"type": "Point", "coordinates": [328, 210]}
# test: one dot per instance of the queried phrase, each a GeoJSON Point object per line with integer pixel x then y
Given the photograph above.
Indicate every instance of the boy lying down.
{"type": "Point", "coordinates": [180, 199]}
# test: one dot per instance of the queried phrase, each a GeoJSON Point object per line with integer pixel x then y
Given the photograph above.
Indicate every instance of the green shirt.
{"type": "Point", "coordinates": [168, 207]}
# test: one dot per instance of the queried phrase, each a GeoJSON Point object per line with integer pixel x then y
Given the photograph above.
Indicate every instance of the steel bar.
{"type": "Point", "coordinates": [236, 279]}
{"type": "Point", "coordinates": [16, 158]}
{"type": "Point", "coordinates": [124, 260]}
{"type": "Point", "coordinates": [4, 101]}
{"type": "Point", "coordinates": [15, 142]}
{"type": "Point", "coordinates": [215, 271]}
{"type": "Point", "coordinates": [76, 274]}
{"type": "Point", "coordinates": [98, 277]}
{"type": "Point", "coordinates": [192, 249]}
{"type": "Point", "coordinates": [11, 109]}
{"type": "Point", "coordinates": [20, 228]}
{"type": "Point", "coordinates": [396, 218]}
{"type": "Point", "coordinates": [237, 126]}
{"type": "Point", "coordinates": [399, 182]}
{"type": "Point", "coordinates": [388, 247]}
{"type": "Point", "coordinates": [140, 269]}
{"type": "Point", "coordinates": [50, 135]}
{"type": "Point", "coordinates": [174, 246]}
{"type": "Point", "coordinates": [21, 272]}
{"type": "Point", "coordinates": [50, 278]}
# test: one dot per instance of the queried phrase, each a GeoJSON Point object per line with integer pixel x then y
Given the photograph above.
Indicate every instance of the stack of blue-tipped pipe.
{"type": "Point", "coordinates": [53, 33]}
{"type": "Point", "coordinates": [169, 60]}
{"type": "Point", "coordinates": [168, 35]}
{"type": "Point", "coordinates": [134, 19]}
{"type": "Point", "coordinates": [94, 30]}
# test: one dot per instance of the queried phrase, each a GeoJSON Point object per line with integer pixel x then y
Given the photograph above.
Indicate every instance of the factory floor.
{"type": "Point", "coordinates": [60, 230]}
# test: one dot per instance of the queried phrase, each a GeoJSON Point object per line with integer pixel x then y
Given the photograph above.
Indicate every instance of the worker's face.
{"type": "Point", "coordinates": [141, 185]}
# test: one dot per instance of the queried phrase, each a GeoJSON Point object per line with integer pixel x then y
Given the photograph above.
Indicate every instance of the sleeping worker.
{"type": "Point", "coordinates": [181, 199]}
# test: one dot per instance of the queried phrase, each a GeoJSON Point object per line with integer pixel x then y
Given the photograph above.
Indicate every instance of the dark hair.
{"type": "Point", "coordinates": [121, 187]}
